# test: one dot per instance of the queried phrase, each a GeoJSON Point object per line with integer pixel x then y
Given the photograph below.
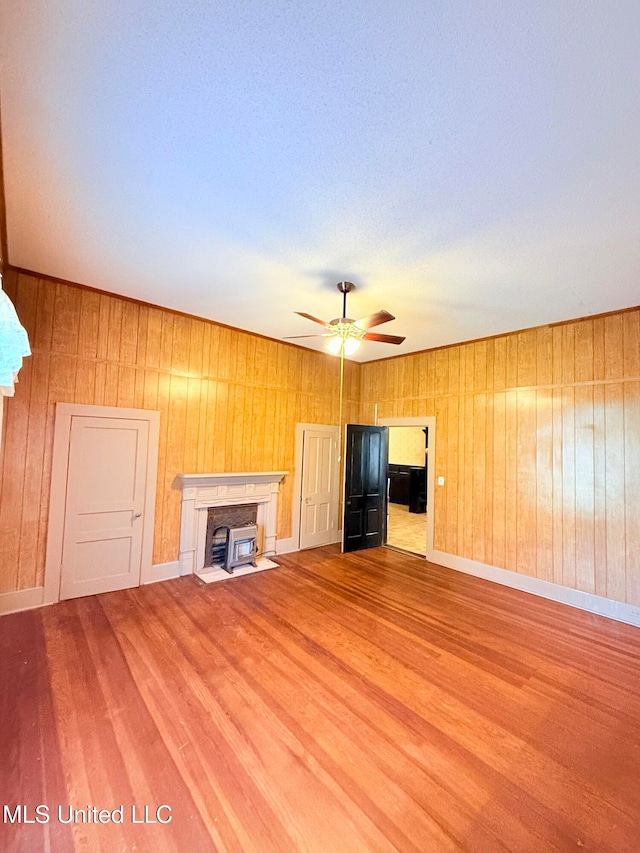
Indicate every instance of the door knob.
{"type": "Point", "coordinates": [137, 514]}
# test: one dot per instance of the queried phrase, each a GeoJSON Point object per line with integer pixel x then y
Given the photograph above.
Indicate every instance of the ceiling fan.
{"type": "Point", "coordinates": [345, 334]}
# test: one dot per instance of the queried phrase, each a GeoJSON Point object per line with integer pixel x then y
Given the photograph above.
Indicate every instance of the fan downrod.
{"type": "Point", "coordinates": [345, 287]}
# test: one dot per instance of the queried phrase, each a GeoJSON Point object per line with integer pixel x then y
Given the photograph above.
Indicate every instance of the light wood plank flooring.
{"type": "Point", "coordinates": [406, 530]}
{"type": "Point", "coordinates": [361, 702]}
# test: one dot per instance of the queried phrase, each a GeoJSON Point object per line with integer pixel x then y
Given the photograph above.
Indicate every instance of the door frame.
{"type": "Point", "coordinates": [58, 491]}
{"type": "Point", "coordinates": [296, 512]}
{"type": "Point", "coordinates": [429, 422]}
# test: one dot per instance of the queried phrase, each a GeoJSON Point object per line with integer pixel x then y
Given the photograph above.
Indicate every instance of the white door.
{"type": "Point", "coordinates": [317, 516]}
{"type": "Point", "coordinates": [105, 502]}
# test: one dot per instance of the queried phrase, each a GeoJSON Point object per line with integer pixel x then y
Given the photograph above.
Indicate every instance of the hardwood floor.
{"type": "Point", "coordinates": [365, 702]}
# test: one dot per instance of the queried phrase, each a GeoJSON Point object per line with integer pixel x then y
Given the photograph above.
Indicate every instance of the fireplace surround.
{"type": "Point", "coordinates": [202, 491]}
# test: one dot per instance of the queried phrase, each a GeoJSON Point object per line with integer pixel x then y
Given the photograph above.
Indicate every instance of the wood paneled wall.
{"type": "Point", "coordinates": [538, 432]}
{"type": "Point", "coordinates": [538, 438]}
{"type": "Point", "coordinates": [229, 401]}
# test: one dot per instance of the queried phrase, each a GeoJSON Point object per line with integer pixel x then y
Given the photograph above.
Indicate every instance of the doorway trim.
{"type": "Point", "coordinates": [428, 421]}
{"type": "Point", "coordinates": [58, 492]}
{"type": "Point", "coordinates": [297, 486]}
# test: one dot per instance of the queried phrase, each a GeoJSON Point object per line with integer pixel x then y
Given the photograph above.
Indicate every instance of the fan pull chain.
{"type": "Point", "coordinates": [340, 405]}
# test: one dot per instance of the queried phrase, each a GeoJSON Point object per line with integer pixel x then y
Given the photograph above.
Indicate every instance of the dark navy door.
{"type": "Point", "coordinates": [365, 498]}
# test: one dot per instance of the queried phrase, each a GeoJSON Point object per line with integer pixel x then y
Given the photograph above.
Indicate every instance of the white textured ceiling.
{"type": "Point", "coordinates": [473, 167]}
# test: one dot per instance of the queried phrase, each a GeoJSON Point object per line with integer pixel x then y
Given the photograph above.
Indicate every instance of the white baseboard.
{"type": "Point", "coordinates": [286, 546]}
{"type": "Point", "coordinates": [27, 599]}
{"type": "Point", "coordinates": [161, 572]}
{"type": "Point", "coordinates": [22, 599]}
{"type": "Point", "coordinates": [617, 610]}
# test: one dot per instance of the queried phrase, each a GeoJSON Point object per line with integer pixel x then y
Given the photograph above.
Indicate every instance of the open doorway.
{"type": "Point", "coordinates": [410, 484]}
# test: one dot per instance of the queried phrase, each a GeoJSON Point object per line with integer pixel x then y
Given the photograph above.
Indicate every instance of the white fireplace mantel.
{"type": "Point", "coordinates": [201, 491]}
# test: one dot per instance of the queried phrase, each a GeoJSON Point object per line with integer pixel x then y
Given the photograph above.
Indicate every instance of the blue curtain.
{"type": "Point", "coordinates": [14, 344]}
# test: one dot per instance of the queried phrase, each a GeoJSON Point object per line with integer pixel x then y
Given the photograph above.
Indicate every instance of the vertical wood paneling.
{"type": "Point", "coordinates": [630, 346]}
{"type": "Point", "coordinates": [110, 394]}
{"type": "Point", "coordinates": [526, 478]}
{"type": "Point", "coordinates": [14, 470]}
{"type": "Point", "coordinates": [512, 361]}
{"type": "Point", "coordinates": [130, 331]}
{"type": "Point", "coordinates": [558, 530]}
{"type": "Point", "coordinates": [478, 414]}
{"type": "Point", "coordinates": [539, 480]}
{"type": "Point", "coordinates": [599, 489]}
{"type": "Point", "coordinates": [24, 298]}
{"type": "Point", "coordinates": [614, 346]}
{"type": "Point", "coordinates": [228, 401]}
{"type": "Point", "coordinates": [511, 479]}
{"type": "Point", "coordinates": [89, 324]}
{"type": "Point", "coordinates": [442, 513]}
{"type": "Point", "coordinates": [544, 485]}
{"type": "Point", "coordinates": [154, 338]}
{"type": "Point", "coordinates": [585, 489]}
{"type": "Point", "coordinates": [568, 487]}
{"type": "Point", "coordinates": [615, 492]}
{"type": "Point", "coordinates": [598, 327]}
{"type": "Point", "coordinates": [544, 356]}
{"type": "Point", "coordinates": [126, 387]}
{"type": "Point", "coordinates": [114, 332]}
{"type": "Point", "coordinates": [527, 361]}
{"type": "Point", "coordinates": [192, 427]}
{"type": "Point", "coordinates": [102, 343]}
{"type": "Point", "coordinates": [632, 479]}
{"type": "Point", "coordinates": [583, 359]}
{"type": "Point", "coordinates": [67, 319]}
{"type": "Point", "coordinates": [538, 437]}
{"type": "Point", "coordinates": [499, 508]}
{"type": "Point", "coordinates": [500, 364]}
{"type": "Point", "coordinates": [41, 338]}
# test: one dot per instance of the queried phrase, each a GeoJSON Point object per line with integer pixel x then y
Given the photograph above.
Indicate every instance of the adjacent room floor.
{"type": "Point", "coordinates": [359, 702]}
{"type": "Point", "coordinates": [406, 530]}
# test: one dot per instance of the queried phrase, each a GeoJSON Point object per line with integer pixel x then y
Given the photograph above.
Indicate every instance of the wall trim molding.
{"type": "Point", "coordinates": [29, 599]}
{"type": "Point", "coordinates": [21, 599]}
{"type": "Point", "coordinates": [587, 601]}
{"type": "Point", "coordinates": [160, 572]}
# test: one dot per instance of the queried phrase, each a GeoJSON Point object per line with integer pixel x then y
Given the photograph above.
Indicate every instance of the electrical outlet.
{"type": "Point", "coordinates": [441, 481]}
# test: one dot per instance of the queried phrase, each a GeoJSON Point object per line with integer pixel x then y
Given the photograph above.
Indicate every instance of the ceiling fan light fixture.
{"type": "Point", "coordinates": [351, 345]}
{"type": "Point", "coordinates": [334, 345]}
{"type": "Point", "coordinates": [344, 342]}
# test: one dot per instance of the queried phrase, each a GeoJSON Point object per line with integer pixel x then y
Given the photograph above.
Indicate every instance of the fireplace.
{"type": "Point", "coordinates": [256, 493]}
{"type": "Point", "coordinates": [220, 520]}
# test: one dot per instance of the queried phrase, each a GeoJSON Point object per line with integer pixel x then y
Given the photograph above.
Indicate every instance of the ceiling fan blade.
{"type": "Point", "coordinates": [385, 339]}
{"type": "Point", "coordinates": [374, 320]}
{"type": "Point", "coordinates": [310, 317]}
{"type": "Point", "coordinates": [291, 337]}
